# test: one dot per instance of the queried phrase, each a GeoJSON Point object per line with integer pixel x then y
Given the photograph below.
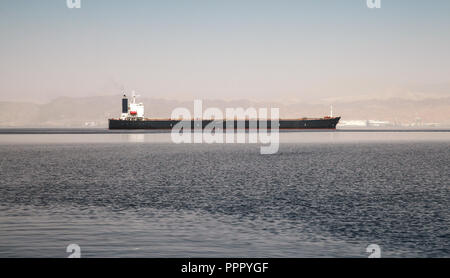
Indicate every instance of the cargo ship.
{"type": "Point", "coordinates": [132, 117]}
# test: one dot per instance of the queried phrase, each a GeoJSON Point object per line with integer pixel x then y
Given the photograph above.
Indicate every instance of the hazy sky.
{"type": "Point", "coordinates": [260, 50]}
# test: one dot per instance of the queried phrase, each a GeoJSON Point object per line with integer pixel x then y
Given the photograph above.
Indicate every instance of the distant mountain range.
{"type": "Point", "coordinates": [95, 111]}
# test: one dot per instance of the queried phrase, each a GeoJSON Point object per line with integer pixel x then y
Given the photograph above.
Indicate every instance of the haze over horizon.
{"type": "Point", "coordinates": [271, 51]}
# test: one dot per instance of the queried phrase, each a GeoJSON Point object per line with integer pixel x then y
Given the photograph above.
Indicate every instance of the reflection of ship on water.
{"type": "Point", "coordinates": [136, 138]}
{"type": "Point", "coordinates": [366, 123]}
{"type": "Point", "coordinates": [417, 123]}
{"type": "Point", "coordinates": [132, 117]}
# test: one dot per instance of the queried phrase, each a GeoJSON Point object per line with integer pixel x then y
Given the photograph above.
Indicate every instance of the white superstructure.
{"type": "Point", "coordinates": [132, 110]}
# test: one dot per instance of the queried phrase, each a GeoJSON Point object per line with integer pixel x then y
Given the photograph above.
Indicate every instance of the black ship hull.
{"type": "Point", "coordinates": [322, 123]}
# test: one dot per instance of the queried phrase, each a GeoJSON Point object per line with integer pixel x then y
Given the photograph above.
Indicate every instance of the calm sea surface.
{"type": "Point", "coordinates": [324, 194]}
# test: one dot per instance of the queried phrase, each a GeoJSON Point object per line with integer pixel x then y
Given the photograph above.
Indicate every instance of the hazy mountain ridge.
{"type": "Point", "coordinates": [95, 111]}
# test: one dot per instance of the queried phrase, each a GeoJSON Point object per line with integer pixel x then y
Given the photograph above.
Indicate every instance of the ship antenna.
{"type": "Point", "coordinates": [134, 96]}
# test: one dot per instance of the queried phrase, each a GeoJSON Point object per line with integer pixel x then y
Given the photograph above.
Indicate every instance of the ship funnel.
{"type": "Point", "coordinates": [124, 104]}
